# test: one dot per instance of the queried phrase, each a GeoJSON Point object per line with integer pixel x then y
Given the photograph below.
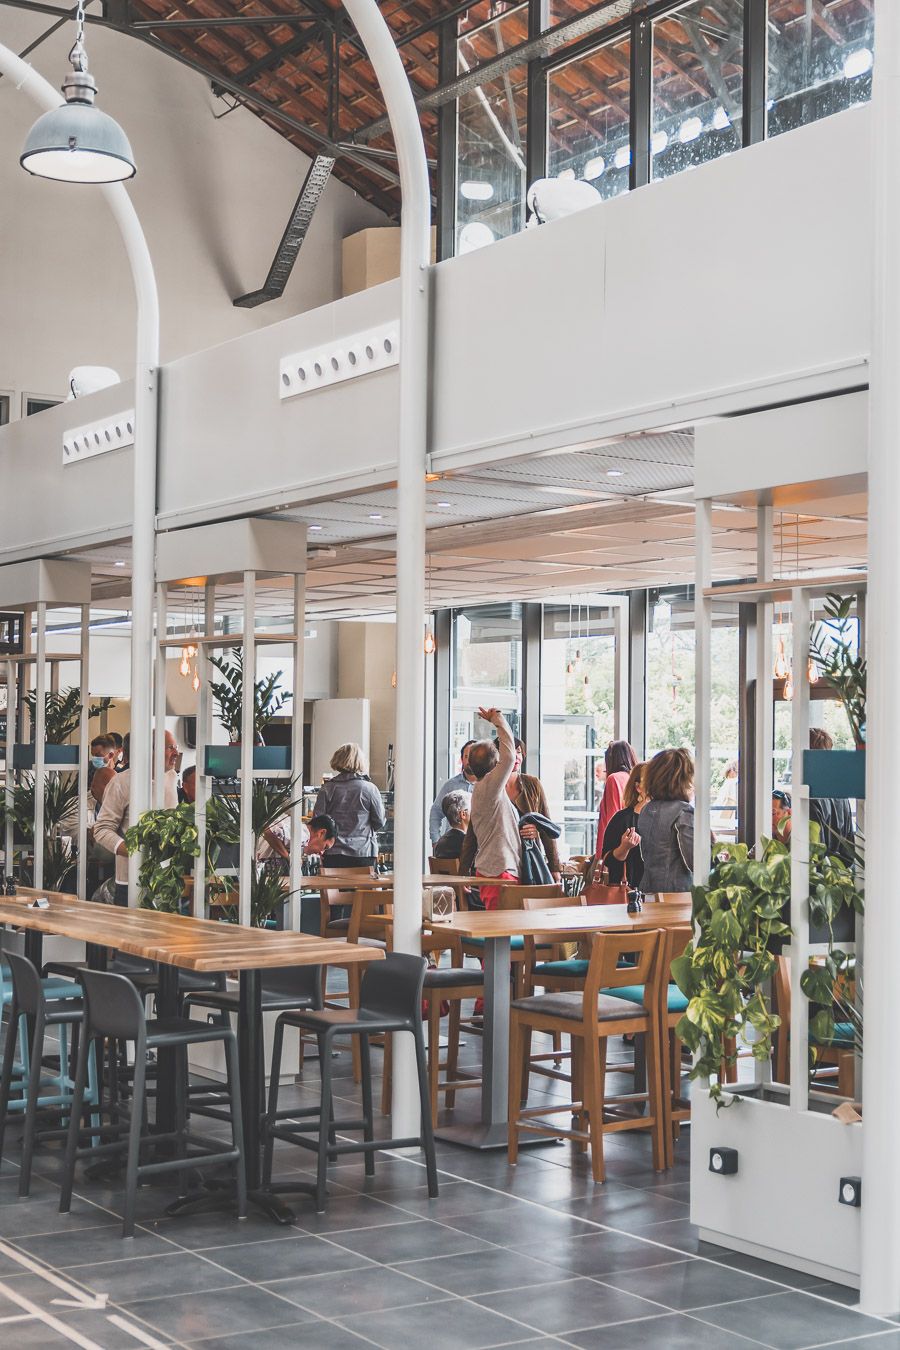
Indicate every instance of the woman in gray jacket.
{"type": "Point", "coordinates": [666, 824]}
{"type": "Point", "coordinates": [356, 806]}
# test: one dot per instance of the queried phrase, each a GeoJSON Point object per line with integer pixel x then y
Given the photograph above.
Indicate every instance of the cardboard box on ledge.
{"type": "Point", "coordinates": [372, 256]}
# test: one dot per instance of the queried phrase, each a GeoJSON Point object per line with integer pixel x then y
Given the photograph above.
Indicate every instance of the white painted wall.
{"type": "Point", "coordinates": [213, 198]}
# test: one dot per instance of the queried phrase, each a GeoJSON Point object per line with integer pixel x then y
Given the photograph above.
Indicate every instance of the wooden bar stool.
{"type": "Point", "coordinates": [590, 1018]}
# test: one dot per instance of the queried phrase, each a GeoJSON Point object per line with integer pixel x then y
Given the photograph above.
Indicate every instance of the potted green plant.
{"type": "Point", "coordinates": [268, 701]}
{"type": "Point", "coordinates": [833, 985]}
{"type": "Point", "coordinates": [60, 819]}
{"type": "Point", "coordinates": [168, 843]}
{"type": "Point", "coordinates": [62, 715]}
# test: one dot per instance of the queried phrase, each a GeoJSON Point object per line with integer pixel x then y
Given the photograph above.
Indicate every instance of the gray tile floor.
{"type": "Point", "coordinates": [533, 1255]}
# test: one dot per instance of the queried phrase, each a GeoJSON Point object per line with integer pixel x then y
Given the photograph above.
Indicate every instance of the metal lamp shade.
{"type": "Point", "coordinates": [77, 143]}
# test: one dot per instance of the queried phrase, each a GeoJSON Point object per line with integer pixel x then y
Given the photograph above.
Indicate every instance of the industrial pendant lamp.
{"type": "Point", "coordinates": [76, 142]}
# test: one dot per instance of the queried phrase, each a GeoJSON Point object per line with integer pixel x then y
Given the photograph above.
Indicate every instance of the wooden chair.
{"type": "Point", "coordinates": [590, 1018]}
{"type": "Point", "coordinates": [838, 1060]}
{"type": "Point", "coordinates": [443, 867]}
{"type": "Point", "coordinates": [553, 971]}
{"type": "Point", "coordinates": [329, 927]}
{"type": "Point", "coordinates": [512, 897]}
{"type": "Point", "coordinates": [672, 1005]}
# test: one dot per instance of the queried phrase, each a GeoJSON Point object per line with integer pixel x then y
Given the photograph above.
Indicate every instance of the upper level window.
{"type": "Point", "coordinates": [35, 405]}
{"type": "Point", "coordinates": [820, 59]}
{"type": "Point", "coordinates": [697, 85]}
{"type": "Point", "coordinates": [491, 145]}
{"type": "Point", "coordinates": [588, 109]}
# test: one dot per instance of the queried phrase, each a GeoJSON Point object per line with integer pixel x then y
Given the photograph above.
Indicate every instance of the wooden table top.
{"type": "Point", "coordinates": [363, 881]}
{"type": "Point", "coordinates": [193, 944]}
{"type": "Point", "coordinates": [501, 923]}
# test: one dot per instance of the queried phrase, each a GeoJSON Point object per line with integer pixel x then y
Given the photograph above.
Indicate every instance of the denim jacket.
{"type": "Point", "coordinates": [667, 846]}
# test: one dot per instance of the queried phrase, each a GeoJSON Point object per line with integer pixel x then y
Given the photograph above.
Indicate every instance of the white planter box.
{"type": "Point", "coordinates": [782, 1205]}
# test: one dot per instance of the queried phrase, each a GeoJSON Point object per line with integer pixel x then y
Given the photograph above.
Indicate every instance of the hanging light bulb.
{"type": "Point", "coordinates": [782, 668]}
{"type": "Point", "coordinates": [185, 666]}
{"type": "Point", "coordinates": [570, 668]}
{"type": "Point", "coordinates": [577, 658]}
{"type": "Point", "coordinates": [195, 682]}
{"type": "Point", "coordinates": [789, 686]}
{"type": "Point", "coordinates": [393, 679]}
{"type": "Point", "coordinates": [430, 644]}
{"type": "Point", "coordinates": [812, 671]}
{"type": "Point", "coordinates": [587, 681]}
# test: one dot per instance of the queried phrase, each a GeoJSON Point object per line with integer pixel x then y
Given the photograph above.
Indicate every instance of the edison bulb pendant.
{"type": "Point", "coordinates": [789, 686]}
{"type": "Point", "coordinates": [185, 666]}
{"type": "Point", "coordinates": [812, 672]}
{"type": "Point", "coordinates": [195, 682]}
{"type": "Point", "coordinates": [430, 644]}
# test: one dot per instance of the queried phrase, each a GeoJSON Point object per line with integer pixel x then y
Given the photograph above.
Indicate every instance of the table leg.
{"type": "Point", "coordinates": [34, 947]}
{"type": "Point", "coordinates": [249, 1018]}
{"type": "Point", "coordinates": [166, 1060]}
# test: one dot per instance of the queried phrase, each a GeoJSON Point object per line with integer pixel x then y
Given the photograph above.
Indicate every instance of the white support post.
{"type": "Point", "coordinates": [620, 711]}
{"type": "Point", "coordinates": [248, 852]}
{"type": "Point", "coordinates": [13, 671]}
{"type": "Point", "coordinates": [40, 739]}
{"type": "Point", "coordinates": [881, 1158]}
{"type": "Point", "coordinates": [203, 738]}
{"type": "Point", "coordinates": [84, 673]}
{"type": "Point", "coordinates": [412, 442]}
{"type": "Point", "coordinates": [799, 852]}
{"type": "Point", "coordinates": [703, 678]}
{"type": "Point", "coordinates": [297, 765]}
{"type": "Point", "coordinates": [159, 719]}
{"type": "Point", "coordinates": [765, 710]}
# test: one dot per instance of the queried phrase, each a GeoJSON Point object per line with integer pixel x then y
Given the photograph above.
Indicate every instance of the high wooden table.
{"type": "Point", "coordinates": [497, 927]}
{"type": "Point", "coordinates": [178, 942]}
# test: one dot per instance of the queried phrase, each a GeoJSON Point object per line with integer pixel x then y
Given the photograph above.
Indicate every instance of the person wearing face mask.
{"type": "Point", "coordinates": [113, 817]}
{"type": "Point", "coordinates": [104, 753]}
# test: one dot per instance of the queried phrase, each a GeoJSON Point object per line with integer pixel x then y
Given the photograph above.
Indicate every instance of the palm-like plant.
{"type": "Point", "coordinates": [272, 799]}
{"type": "Point", "coordinates": [228, 694]}
{"type": "Point", "coordinates": [62, 712]}
{"type": "Point", "coordinates": [831, 651]}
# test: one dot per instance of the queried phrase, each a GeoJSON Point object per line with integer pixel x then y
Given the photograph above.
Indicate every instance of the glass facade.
{"type": "Point", "coordinates": [491, 138]}
{"type": "Point", "coordinates": [588, 109]}
{"type": "Point", "coordinates": [486, 671]}
{"type": "Point", "coordinates": [820, 60]}
{"type": "Point", "coordinates": [578, 715]}
{"type": "Point", "coordinates": [697, 79]}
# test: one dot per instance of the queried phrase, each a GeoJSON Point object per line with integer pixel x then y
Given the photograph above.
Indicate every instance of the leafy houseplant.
{"type": "Point", "coordinates": [168, 843]}
{"type": "Point", "coordinates": [268, 698]}
{"type": "Point", "coordinates": [62, 712]}
{"type": "Point", "coordinates": [723, 973]}
{"type": "Point", "coordinates": [60, 809]}
{"type": "Point", "coordinates": [833, 984]}
{"type": "Point", "coordinates": [272, 800]}
{"type": "Point", "coordinates": [831, 651]}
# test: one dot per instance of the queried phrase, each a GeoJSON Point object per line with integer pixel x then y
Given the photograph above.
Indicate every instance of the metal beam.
{"type": "Point", "coordinates": [756, 37]}
{"type": "Point", "coordinates": [641, 100]}
{"type": "Point", "coordinates": [281, 53]}
{"type": "Point", "coordinates": [448, 131]}
{"type": "Point", "coordinates": [295, 232]}
{"type": "Point", "coordinates": [536, 116]}
{"type": "Point", "coordinates": [227, 21]}
{"type": "Point", "coordinates": [601, 15]}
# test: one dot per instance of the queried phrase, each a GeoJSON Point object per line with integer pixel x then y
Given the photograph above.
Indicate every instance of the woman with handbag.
{"type": "Point", "coordinates": [622, 855]}
{"type": "Point", "coordinates": [619, 761]}
{"type": "Point", "coordinates": [666, 823]}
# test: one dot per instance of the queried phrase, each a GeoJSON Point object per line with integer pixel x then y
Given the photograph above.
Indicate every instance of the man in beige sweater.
{"type": "Point", "coordinates": [495, 821]}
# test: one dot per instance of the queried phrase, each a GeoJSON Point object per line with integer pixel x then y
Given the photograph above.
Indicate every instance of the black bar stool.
{"type": "Point", "coordinates": [114, 1010]}
{"type": "Point", "coordinates": [284, 989]}
{"type": "Point", "coordinates": [30, 1001]}
{"type": "Point", "coordinates": [390, 1000]}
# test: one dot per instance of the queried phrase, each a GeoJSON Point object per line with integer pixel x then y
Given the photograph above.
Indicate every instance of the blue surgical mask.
{"type": "Point", "coordinates": [98, 761]}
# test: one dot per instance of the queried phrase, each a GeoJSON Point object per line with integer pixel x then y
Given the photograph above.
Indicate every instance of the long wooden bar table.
{"type": "Point", "coordinates": [497, 927]}
{"type": "Point", "coordinates": [178, 942]}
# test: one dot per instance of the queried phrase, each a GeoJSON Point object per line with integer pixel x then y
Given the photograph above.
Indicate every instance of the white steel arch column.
{"type": "Point", "coordinates": [415, 259]}
{"type": "Point", "coordinates": [880, 1214]}
{"type": "Point", "coordinates": [46, 97]}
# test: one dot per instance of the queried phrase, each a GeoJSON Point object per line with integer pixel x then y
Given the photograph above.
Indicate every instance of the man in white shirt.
{"type": "Point", "coordinates": [112, 820]}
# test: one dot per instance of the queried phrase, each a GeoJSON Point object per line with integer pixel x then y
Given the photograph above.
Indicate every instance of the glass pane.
{"type": "Point", "coordinates": [491, 144]}
{"type": "Point", "coordinates": [820, 60]}
{"type": "Point", "coordinates": [670, 698]}
{"type": "Point", "coordinates": [698, 82]}
{"type": "Point", "coordinates": [588, 104]}
{"type": "Point", "coordinates": [578, 683]}
{"type": "Point", "coordinates": [486, 671]}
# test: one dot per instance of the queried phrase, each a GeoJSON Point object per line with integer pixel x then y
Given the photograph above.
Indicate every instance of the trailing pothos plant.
{"type": "Point", "coordinates": [62, 712]}
{"type": "Point", "coordinates": [831, 652]}
{"type": "Point", "coordinates": [724, 971]}
{"type": "Point", "coordinates": [833, 985]}
{"type": "Point", "coordinates": [228, 693]}
{"type": "Point", "coordinates": [168, 843]}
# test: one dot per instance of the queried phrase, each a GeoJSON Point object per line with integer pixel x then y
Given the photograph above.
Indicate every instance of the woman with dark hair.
{"type": "Point", "coordinates": [620, 760]}
{"type": "Point", "coordinates": [621, 843]}
{"type": "Point", "coordinates": [666, 824]}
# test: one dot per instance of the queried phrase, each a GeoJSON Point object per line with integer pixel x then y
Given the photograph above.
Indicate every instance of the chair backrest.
{"type": "Point", "coordinates": [337, 896]}
{"type": "Point", "coordinates": [670, 897]}
{"type": "Point", "coordinates": [674, 943]}
{"type": "Point", "coordinates": [644, 951]}
{"type": "Point", "coordinates": [533, 901]}
{"type": "Point", "coordinates": [443, 867]}
{"type": "Point", "coordinates": [26, 981]}
{"type": "Point", "coordinates": [113, 1006]}
{"type": "Point", "coordinates": [298, 981]}
{"type": "Point", "coordinates": [392, 988]}
{"type": "Point", "coordinates": [513, 897]}
{"type": "Point", "coordinates": [368, 907]}
{"type": "Point", "coordinates": [9, 942]}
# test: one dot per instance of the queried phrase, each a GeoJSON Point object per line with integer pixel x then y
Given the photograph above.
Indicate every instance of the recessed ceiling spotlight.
{"type": "Point", "coordinates": [615, 473]}
{"type": "Point", "coordinates": [443, 503]}
{"type": "Point", "coordinates": [120, 562]}
{"type": "Point", "coordinates": [314, 527]}
{"type": "Point", "coordinates": [375, 515]}
{"type": "Point", "coordinates": [475, 191]}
